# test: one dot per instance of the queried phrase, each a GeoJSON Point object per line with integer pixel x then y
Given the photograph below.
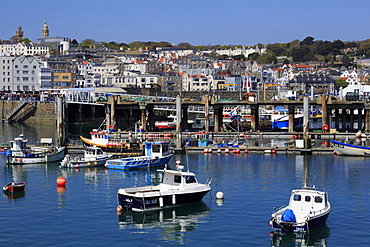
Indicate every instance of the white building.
{"type": "Point", "coordinates": [26, 74]}
{"type": "Point", "coordinates": [18, 49]}
{"type": "Point", "coordinates": [6, 65]}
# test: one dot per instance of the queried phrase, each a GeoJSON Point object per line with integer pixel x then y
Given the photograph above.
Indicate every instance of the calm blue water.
{"type": "Point", "coordinates": [84, 213]}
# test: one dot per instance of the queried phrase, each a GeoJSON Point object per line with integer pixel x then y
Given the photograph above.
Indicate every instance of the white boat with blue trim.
{"type": "Point", "coordinates": [308, 209]}
{"type": "Point", "coordinates": [93, 156]}
{"type": "Point", "coordinates": [20, 154]}
{"type": "Point", "coordinates": [157, 154]}
{"type": "Point", "coordinates": [342, 148]}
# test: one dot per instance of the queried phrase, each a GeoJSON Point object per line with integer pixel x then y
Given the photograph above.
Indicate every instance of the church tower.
{"type": "Point", "coordinates": [45, 30]}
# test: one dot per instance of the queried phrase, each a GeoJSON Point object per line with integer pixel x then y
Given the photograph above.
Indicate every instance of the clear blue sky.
{"type": "Point", "coordinates": [197, 22]}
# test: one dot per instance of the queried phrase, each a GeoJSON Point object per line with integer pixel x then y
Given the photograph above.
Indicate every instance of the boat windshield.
{"type": "Point", "coordinates": [190, 179]}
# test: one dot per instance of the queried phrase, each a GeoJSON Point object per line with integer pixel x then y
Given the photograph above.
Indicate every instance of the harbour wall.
{"type": "Point", "coordinates": [36, 113]}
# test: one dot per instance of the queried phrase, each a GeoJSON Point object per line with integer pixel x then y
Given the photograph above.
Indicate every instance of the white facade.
{"type": "Point", "coordinates": [26, 74]}
{"type": "Point", "coordinates": [24, 49]}
{"type": "Point", "coordinates": [6, 65]}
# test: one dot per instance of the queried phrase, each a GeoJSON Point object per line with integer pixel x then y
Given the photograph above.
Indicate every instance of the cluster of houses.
{"type": "Point", "coordinates": [33, 67]}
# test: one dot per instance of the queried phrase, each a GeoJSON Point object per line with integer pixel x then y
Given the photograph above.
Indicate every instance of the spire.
{"type": "Point", "coordinates": [45, 30]}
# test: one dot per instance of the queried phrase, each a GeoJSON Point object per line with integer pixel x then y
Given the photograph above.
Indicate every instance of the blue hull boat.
{"type": "Point", "coordinates": [157, 154]}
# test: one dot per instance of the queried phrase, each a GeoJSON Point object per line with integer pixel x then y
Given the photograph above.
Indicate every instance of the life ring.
{"type": "Point", "coordinates": [325, 127]}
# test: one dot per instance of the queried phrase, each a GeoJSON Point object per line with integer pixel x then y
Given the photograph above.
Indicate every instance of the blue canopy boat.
{"type": "Point", "coordinates": [157, 154]}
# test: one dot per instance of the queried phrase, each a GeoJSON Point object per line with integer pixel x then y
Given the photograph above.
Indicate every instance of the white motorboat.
{"type": "Point", "coordinates": [93, 156]}
{"type": "Point", "coordinates": [177, 188]}
{"type": "Point", "coordinates": [20, 154]}
{"type": "Point", "coordinates": [308, 209]}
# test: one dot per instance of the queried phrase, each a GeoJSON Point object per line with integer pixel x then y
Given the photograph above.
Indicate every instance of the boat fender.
{"type": "Point", "coordinates": [173, 199]}
{"type": "Point", "coordinates": [161, 202]}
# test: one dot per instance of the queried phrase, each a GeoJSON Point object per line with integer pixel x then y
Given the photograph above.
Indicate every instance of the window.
{"type": "Point", "coordinates": [56, 77]}
{"type": "Point", "coordinates": [16, 66]}
{"type": "Point", "coordinates": [65, 77]}
{"type": "Point", "coordinates": [190, 179]}
{"type": "Point", "coordinates": [297, 198]}
{"type": "Point", "coordinates": [177, 179]}
{"type": "Point", "coordinates": [318, 199]}
{"type": "Point", "coordinates": [25, 66]}
{"type": "Point", "coordinates": [307, 198]}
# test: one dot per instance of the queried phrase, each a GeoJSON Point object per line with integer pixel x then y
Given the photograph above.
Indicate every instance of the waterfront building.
{"type": "Point", "coordinates": [26, 74]}
{"type": "Point", "coordinates": [6, 65]}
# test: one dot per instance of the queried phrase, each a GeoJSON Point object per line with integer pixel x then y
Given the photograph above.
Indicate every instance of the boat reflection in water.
{"type": "Point", "coordinates": [174, 223]}
{"type": "Point", "coordinates": [317, 238]}
{"type": "Point", "coordinates": [12, 196]}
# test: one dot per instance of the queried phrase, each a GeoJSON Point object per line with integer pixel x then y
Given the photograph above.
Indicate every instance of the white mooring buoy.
{"type": "Point", "coordinates": [220, 195]}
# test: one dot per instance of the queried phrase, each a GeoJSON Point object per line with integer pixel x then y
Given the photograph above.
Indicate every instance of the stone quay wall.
{"type": "Point", "coordinates": [43, 113]}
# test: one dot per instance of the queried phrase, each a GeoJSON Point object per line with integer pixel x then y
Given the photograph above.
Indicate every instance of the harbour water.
{"type": "Point", "coordinates": [83, 213]}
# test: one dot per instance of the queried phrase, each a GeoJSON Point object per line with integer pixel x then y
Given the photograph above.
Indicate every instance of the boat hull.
{"type": "Point", "coordinates": [137, 163]}
{"type": "Point", "coordinates": [342, 148]}
{"type": "Point", "coordinates": [308, 226]}
{"type": "Point", "coordinates": [154, 202]}
{"type": "Point", "coordinates": [36, 158]}
{"type": "Point", "coordinates": [14, 187]}
{"type": "Point", "coordinates": [83, 164]}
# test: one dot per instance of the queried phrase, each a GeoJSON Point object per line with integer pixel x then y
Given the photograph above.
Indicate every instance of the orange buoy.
{"type": "Point", "coordinates": [325, 127]}
{"type": "Point", "coordinates": [246, 151]}
{"type": "Point", "coordinates": [273, 151]}
{"type": "Point", "coordinates": [61, 181]}
{"type": "Point", "coordinates": [119, 208]}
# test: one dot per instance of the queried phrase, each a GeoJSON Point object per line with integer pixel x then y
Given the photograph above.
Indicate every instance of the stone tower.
{"type": "Point", "coordinates": [19, 34]}
{"type": "Point", "coordinates": [45, 30]}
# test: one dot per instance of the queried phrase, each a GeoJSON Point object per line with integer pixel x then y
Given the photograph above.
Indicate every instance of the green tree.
{"type": "Point", "coordinates": [338, 45]}
{"type": "Point", "coordinates": [346, 61]}
{"type": "Point", "coordinates": [186, 46]}
{"type": "Point", "coordinates": [340, 83]}
{"type": "Point", "coordinates": [308, 41]}
{"type": "Point", "coordinates": [364, 48]}
{"type": "Point", "coordinates": [253, 56]}
{"type": "Point", "coordinates": [25, 40]}
{"type": "Point", "coordinates": [89, 43]}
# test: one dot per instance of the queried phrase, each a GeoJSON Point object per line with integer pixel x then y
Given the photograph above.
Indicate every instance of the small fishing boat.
{"type": "Point", "coordinates": [93, 156]}
{"type": "Point", "coordinates": [177, 188]}
{"type": "Point", "coordinates": [342, 148]}
{"type": "Point", "coordinates": [308, 209]}
{"type": "Point", "coordinates": [20, 154]}
{"type": "Point", "coordinates": [13, 187]}
{"type": "Point", "coordinates": [156, 154]}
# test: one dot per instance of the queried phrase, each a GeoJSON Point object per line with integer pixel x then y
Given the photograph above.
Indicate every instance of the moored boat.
{"type": "Point", "coordinates": [342, 148]}
{"type": "Point", "coordinates": [156, 154]}
{"type": "Point", "coordinates": [93, 156]}
{"type": "Point", "coordinates": [20, 154]}
{"type": "Point", "coordinates": [13, 187]}
{"type": "Point", "coordinates": [177, 188]}
{"type": "Point", "coordinates": [308, 209]}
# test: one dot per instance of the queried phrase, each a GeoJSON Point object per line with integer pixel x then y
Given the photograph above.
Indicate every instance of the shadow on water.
{"type": "Point", "coordinates": [316, 238]}
{"type": "Point", "coordinates": [174, 223]}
